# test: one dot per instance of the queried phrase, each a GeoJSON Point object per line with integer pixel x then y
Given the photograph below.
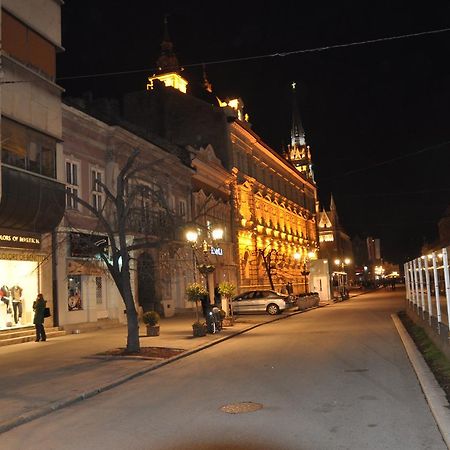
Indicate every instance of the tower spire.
{"type": "Point", "coordinates": [167, 61]}
{"type": "Point", "coordinates": [168, 67]}
{"type": "Point", "coordinates": [298, 152]}
{"type": "Point", "coordinates": [297, 131]}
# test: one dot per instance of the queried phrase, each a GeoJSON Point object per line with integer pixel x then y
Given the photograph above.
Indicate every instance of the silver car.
{"type": "Point", "coordinates": [264, 300]}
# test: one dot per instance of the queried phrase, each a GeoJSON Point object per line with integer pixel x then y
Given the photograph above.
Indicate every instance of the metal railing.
{"type": "Point", "coordinates": [427, 281]}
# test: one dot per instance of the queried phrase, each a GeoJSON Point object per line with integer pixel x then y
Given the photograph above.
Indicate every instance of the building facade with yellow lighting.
{"type": "Point", "coordinates": [273, 196]}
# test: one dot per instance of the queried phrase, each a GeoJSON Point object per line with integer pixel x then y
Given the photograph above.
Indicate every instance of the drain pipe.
{"type": "Point", "coordinates": [55, 280]}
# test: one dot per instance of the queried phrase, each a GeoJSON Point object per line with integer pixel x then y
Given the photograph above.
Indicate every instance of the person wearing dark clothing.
{"type": "Point", "coordinates": [39, 309]}
{"type": "Point", "coordinates": [205, 305]}
{"type": "Point", "coordinates": [217, 297]}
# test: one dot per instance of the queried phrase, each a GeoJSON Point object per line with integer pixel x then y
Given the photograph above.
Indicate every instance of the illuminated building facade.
{"type": "Point", "coordinates": [275, 215]}
{"type": "Point", "coordinates": [273, 224]}
{"type": "Point", "coordinates": [335, 245]}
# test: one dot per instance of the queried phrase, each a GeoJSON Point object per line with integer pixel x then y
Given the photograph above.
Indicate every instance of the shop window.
{"type": "Point", "coordinates": [74, 302]}
{"type": "Point", "coordinates": [28, 149]}
{"type": "Point", "coordinates": [99, 290]}
{"type": "Point", "coordinates": [97, 195]}
{"type": "Point", "coordinates": [72, 186]}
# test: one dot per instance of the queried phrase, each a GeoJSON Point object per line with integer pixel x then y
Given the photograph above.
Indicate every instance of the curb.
{"type": "Point", "coordinates": [434, 394]}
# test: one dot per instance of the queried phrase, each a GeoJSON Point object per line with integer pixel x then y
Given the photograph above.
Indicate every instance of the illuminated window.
{"type": "Point", "coordinates": [27, 149]}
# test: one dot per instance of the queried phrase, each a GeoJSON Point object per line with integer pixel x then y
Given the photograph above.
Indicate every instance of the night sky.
{"type": "Point", "coordinates": [376, 115]}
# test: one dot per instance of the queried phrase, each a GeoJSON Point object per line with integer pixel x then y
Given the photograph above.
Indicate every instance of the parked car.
{"type": "Point", "coordinates": [263, 300]}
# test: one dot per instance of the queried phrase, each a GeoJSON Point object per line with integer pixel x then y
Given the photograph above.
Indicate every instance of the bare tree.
{"type": "Point", "coordinates": [137, 209]}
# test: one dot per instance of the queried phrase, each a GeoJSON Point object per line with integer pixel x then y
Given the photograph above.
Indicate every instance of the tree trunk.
{"type": "Point", "coordinates": [133, 344]}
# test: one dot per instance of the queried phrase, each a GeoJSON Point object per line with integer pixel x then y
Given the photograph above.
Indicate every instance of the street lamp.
{"type": "Point", "coordinates": [305, 272]}
{"type": "Point", "coordinates": [206, 246]}
{"type": "Point", "coordinates": [342, 276]}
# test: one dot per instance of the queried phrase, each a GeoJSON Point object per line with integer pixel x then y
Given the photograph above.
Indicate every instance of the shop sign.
{"type": "Point", "coordinates": [20, 239]}
{"type": "Point", "coordinates": [216, 251]}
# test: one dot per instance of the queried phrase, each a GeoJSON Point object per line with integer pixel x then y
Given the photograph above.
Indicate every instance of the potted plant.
{"type": "Point", "coordinates": [195, 292]}
{"type": "Point", "coordinates": [227, 290]}
{"type": "Point", "coordinates": [151, 320]}
{"type": "Point", "coordinates": [199, 329]}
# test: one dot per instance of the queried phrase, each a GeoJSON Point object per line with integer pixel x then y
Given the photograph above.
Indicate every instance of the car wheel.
{"type": "Point", "coordinates": [272, 309]}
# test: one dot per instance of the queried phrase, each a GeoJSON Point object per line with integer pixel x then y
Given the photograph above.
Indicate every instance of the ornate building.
{"type": "Point", "coordinates": [273, 226]}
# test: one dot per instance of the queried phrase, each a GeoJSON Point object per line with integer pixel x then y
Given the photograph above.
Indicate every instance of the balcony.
{"type": "Point", "coordinates": [30, 202]}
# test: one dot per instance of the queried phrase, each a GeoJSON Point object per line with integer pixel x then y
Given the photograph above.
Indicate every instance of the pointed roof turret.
{"type": "Point", "coordinates": [168, 67]}
{"type": "Point", "coordinates": [206, 84]}
{"type": "Point", "coordinates": [167, 61]}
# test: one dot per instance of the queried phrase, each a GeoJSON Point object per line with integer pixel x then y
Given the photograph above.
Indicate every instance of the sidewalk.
{"type": "Point", "coordinates": [40, 377]}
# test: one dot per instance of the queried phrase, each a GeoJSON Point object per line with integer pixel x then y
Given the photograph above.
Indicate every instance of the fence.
{"type": "Point", "coordinates": [427, 283]}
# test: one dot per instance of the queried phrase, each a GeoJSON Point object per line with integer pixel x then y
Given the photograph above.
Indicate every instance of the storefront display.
{"type": "Point", "coordinates": [74, 302]}
{"type": "Point", "coordinates": [18, 289]}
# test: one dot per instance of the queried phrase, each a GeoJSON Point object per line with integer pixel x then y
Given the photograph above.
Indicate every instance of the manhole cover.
{"type": "Point", "coordinates": [242, 407]}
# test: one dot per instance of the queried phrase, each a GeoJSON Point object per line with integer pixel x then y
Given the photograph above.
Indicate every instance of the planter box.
{"type": "Point", "coordinates": [198, 331]}
{"type": "Point", "coordinates": [152, 330]}
{"type": "Point", "coordinates": [307, 301]}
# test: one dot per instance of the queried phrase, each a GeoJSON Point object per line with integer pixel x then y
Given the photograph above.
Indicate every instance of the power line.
{"type": "Point", "coordinates": [268, 55]}
{"type": "Point", "coordinates": [388, 161]}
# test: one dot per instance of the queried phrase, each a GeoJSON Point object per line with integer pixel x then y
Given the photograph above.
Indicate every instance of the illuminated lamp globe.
{"type": "Point", "coordinates": [191, 236]}
{"type": "Point", "coordinates": [217, 234]}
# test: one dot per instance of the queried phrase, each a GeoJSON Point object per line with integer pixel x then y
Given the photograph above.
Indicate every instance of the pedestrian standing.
{"type": "Point", "coordinates": [39, 309]}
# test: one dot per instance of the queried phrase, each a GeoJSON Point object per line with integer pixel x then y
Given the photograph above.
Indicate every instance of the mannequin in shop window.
{"type": "Point", "coordinates": [5, 296]}
{"type": "Point", "coordinates": [16, 295]}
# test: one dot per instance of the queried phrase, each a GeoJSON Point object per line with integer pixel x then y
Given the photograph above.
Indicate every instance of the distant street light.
{"type": "Point", "coordinates": [342, 277]}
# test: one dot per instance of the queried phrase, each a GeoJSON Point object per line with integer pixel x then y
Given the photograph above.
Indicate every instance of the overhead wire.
{"type": "Point", "coordinates": [264, 56]}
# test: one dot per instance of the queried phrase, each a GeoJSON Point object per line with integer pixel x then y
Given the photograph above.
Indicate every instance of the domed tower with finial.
{"type": "Point", "coordinates": [298, 152]}
{"type": "Point", "coordinates": [168, 66]}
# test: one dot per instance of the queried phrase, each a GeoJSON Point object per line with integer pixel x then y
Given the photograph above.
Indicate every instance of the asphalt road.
{"type": "Point", "coordinates": [334, 378]}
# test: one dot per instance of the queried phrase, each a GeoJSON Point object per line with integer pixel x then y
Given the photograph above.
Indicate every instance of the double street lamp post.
{"type": "Point", "coordinates": [305, 271]}
{"type": "Point", "coordinates": [204, 246]}
{"type": "Point", "coordinates": [342, 277]}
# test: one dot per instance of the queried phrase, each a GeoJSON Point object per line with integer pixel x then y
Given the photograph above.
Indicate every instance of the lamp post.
{"type": "Point", "coordinates": [193, 237]}
{"type": "Point", "coordinates": [305, 272]}
{"type": "Point", "coordinates": [342, 278]}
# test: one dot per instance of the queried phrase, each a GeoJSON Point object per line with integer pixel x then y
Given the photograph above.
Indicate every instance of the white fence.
{"type": "Point", "coordinates": [428, 288]}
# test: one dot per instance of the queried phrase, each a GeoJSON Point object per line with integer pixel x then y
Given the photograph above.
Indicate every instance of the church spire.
{"type": "Point", "coordinates": [297, 131]}
{"type": "Point", "coordinates": [298, 153]}
{"type": "Point", "coordinates": [168, 67]}
{"type": "Point", "coordinates": [167, 61]}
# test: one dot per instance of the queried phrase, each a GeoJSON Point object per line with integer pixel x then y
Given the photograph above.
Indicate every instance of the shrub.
{"type": "Point", "coordinates": [227, 289]}
{"type": "Point", "coordinates": [151, 318]}
{"type": "Point", "coordinates": [195, 292]}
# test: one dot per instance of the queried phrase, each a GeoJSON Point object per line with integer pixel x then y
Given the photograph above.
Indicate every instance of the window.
{"type": "Point", "coordinates": [72, 187]}
{"type": "Point", "coordinates": [98, 290]}
{"type": "Point", "coordinates": [97, 194]}
{"type": "Point", "coordinates": [182, 208]}
{"type": "Point", "coordinates": [28, 149]}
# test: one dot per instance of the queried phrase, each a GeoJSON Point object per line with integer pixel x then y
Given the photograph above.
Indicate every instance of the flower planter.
{"type": "Point", "coordinates": [152, 330]}
{"type": "Point", "coordinates": [199, 329]}
{"type": "Point", "coordinates": [227, 322]}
